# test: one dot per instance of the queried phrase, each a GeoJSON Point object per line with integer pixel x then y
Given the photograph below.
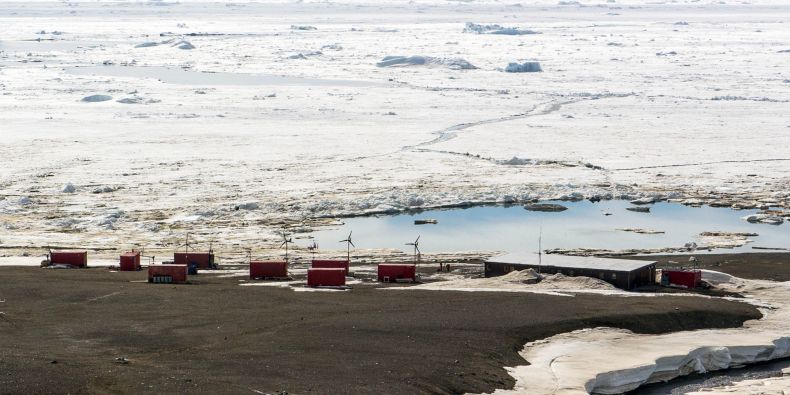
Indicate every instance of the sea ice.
{"type": "Point", "coordinates": [526, 67]}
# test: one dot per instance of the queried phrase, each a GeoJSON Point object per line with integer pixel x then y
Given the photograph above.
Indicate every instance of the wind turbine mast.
{"type": "Point", "coordinates": [540, 249]}
{"type": "Point", "coordinates": [349, 244]}
{"type": "Point", "coordinates": [286, 241]}
{"type": "Point", "coordinates": [416, 245]}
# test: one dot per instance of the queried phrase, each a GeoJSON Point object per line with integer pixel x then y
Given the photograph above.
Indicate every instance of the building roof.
{"type": "Point", "coordinates": [573, 262]}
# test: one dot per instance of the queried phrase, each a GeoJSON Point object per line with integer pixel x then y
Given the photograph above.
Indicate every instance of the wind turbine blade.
{"type": "Point", "coordinates": [418, 239]}
{"type": "Point", "coordinates": [352, 244]}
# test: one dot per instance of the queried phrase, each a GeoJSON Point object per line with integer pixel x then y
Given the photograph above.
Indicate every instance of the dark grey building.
{"type": "Point", "coordinates": [622, 273]}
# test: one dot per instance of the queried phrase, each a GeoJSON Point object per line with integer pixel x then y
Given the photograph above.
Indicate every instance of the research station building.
{"type": "Point", "coordinates": [622, 273]}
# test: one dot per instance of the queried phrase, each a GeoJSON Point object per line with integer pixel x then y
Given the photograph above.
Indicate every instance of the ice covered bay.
{"type": "Point", "coordinates": [680, 100]}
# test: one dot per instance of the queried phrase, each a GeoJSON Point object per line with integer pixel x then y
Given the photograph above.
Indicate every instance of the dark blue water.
{"type": "Point", "coordinates": [514, 229]}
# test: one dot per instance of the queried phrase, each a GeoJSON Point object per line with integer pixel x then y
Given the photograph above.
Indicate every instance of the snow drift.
{"type": "Point", "coordinates": [496, 29]}
{"type": "Point", "coordinates": [526, 67]}
{"type": "Point", "coordinates": [403, 61]}
{"type": "Point", "coordinates": [96, 98]}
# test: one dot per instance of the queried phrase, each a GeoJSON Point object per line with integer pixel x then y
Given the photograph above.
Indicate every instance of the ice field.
{"type": "Point", "coordinates": [279, 109]}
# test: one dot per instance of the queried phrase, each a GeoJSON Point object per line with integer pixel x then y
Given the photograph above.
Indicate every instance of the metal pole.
{"type": "Point", "coordinates": [540, 249]}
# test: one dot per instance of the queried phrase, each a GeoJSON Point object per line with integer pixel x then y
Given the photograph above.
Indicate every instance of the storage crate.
{"type": "Point", "coordinates": [130, 262]}
{"type": "Point", "coordinates": [268, 269]}
{"type": "Point", "coordinates": [167, 274]}
{"type": "Point", "coordinates": [326, 277]}
{"type": "Point", "coordinates": [73, 258]}
{"type": "Point", "coordinates": [394, 272]}
{"type": "Point", "coordinates": [203, 260]}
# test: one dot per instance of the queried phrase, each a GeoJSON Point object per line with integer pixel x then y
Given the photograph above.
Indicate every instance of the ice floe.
{"type": "Point", "coordinates": [417, 60]}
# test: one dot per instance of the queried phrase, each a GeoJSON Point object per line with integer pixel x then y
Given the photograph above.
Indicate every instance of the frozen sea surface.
{"type": "Point", "coordinates": [245, 118]}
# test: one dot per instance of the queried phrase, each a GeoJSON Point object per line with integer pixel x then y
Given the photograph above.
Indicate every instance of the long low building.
{"type": "Point", "coordinates": [622, 273]}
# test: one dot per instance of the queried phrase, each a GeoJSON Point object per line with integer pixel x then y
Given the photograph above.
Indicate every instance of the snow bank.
{"type": "Point", "coordinates": [613, 361]}
{"type": "Point", "coordinates": [764, 219]}
{"type": "Point", "coordinates": [96, 98]}
{"type": "Point", "coordinates": [305, 55]}
{"type": "Point", "coordinates": [516, 161]}
{"type": "Point", "coordinates": [526, 67]}
{"type": "Point", "coordinates": [401, 61]}
{"type": "Point", "coordinates": [147, 44]}
{"type": "Point", "coordinates": [183, 44]}
{"type": "Point", "coordinates": [495, 29]}
{"type": "Point", "coordinates": [69, 188]}
{"type": "Point", "coordinates": [521, 281]}
{"type": "Point", "coordinates": [180, 44]}
{"type": "Point", "coordinates": [720, 239]}
{"type": "Point", "coordinates": [247, 206]}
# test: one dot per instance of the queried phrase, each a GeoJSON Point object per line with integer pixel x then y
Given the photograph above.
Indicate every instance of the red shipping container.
{"type": "Point", "coordinates": [73, 258]}
{"type": "Point", "coordinates": [268, 269]}
{"type": "Point", "coordinates": [331, 264]}
{"type": "Point", "coordinates": [130, 261]}
{"type": "Point", "coordinates": [392, 272]}
{"type": "Point", "coordinates": [326, 277]}
{"type": "Point", "coordinates": [169, 274]}
{"type": "Point", "coordinates": [682, 278]}
{"type": "Point", "coordinates": [203, 260]}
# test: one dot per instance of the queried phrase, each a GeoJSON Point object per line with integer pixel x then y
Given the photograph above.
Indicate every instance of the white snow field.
{"type": "Point", "coordinates": [280, 110]}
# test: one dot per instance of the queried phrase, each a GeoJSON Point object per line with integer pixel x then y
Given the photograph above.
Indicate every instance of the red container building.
{"type": "Point", "coordinates": [130, 261]}
{"type": "Point", "coordinates": [395, 272]}
{"type": "Point", "coordinates": [681, 278]}
{"type": "Point", "coordinates": [203, 260]}
{"type": "Point", "coordinates": [73, 258]}
{"type": "Point", "coordinates": [168, 274]}
{"type": "Point", "coordinates": [330, 264]}
{"type": "Point", "coordinates": [326, 277]}
{"type": "Point", "coordinates": [268, 269]}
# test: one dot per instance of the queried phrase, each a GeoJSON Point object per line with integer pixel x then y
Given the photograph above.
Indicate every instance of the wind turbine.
{"type": "Point", "coordinates": [286, 241]}
{"type": "Point", "coordinates": [349, 244]}
{"type": "Point", "coordinates": [416, 245]}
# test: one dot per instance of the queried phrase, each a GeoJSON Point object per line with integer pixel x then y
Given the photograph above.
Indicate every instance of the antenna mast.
{"type": "Point", "coordinates": [540, 249]}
